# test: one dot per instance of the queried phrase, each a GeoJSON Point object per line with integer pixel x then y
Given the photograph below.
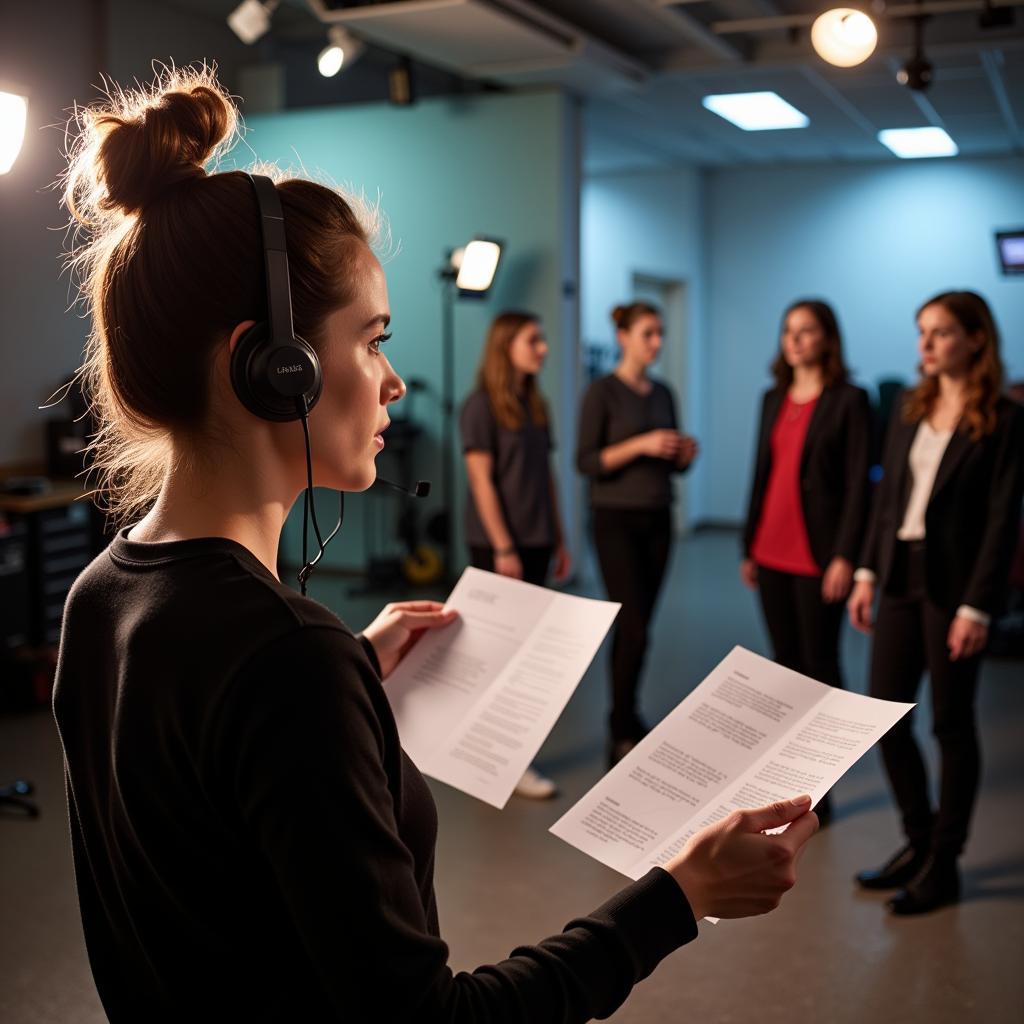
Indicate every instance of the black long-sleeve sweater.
{"type": "Point", "coordinates": [250, 840]}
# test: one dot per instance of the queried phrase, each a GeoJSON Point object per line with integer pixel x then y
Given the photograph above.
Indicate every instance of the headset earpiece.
{"type": "Point", "coordinates": [269, 377]}
{"type": "Point", "coordinates": [271, 367]}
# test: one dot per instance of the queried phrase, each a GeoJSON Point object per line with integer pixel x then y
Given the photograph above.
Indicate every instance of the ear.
{"type": "Point", "coordinates": [237, 333]}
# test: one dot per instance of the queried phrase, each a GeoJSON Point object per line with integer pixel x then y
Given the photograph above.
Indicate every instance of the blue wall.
{"type": "Point", "coordinates": [649, 222]}
{"type": "Point", "coordinates": [874, 240]}
{"type": "Point", "coordinates": [445, 170]}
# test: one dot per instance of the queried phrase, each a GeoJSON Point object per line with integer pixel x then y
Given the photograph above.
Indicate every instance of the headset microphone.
{"type": "Point", "coordinates": [420, 490]}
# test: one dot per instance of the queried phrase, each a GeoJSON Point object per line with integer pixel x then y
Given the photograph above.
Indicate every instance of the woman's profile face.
{"type": "Point", "coordinates": [803, 338]}
{"type": "Point", "coordinates": [528, 349]}
{"type": "Point", "coordinates": [642, 341]}
{"type": "Point", "coordinates": [944, 345]}
{"type": "Point", "coordinates": [347, 424]}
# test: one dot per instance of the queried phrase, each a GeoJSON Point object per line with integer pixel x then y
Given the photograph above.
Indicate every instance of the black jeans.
{"type": "Point", "coordinates": [910, 636]}
{"type": "Point", "coordinates": [633, 546]}
{"type": "Point", "coordinates": [535, 562]}
{"type": "Point", "coordinates": [804, 629]}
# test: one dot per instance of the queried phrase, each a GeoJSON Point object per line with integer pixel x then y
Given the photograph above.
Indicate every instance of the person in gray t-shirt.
{"type": "Point", "coordinates": [512, 522]}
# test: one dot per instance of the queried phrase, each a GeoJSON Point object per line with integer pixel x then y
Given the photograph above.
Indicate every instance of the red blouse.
{"type": "Point", "coordinates": [780, 541]}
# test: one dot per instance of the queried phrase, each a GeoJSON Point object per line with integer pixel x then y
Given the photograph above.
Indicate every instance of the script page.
{"type": "Point", "coordinates": [475, 701]}
{"type": "Point", "coordinates": [751, 733]}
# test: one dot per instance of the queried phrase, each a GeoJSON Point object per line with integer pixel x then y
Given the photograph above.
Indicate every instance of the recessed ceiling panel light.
{"type": "Point", "coordinates": [913, 143]}
{"type": "Point", "coordinates": [756, 111]}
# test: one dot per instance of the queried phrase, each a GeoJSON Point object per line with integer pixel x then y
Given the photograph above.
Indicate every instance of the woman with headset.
{"type": "Point", "coordinates": [938, 549]}
{"type": "Point", "coordinates": [808, 500]}
{"type": "Point", "coordinates": [250, 841]}
{"type": "Point", "coordinates": [513, 526]}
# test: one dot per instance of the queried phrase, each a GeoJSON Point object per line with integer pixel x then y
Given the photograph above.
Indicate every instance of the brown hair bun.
{"type": "Point", "coordinates": [134, 151]}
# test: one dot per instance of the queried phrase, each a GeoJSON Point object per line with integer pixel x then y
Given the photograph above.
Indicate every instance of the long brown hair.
{"type": "Point", "coordinates": [168, 260]}
{"type": "Point", "coordinates": [833, 368]}
{"type": "Point", "coordinates": [497, 378]}
{"type": "Point", "coordinates": [984, 375]}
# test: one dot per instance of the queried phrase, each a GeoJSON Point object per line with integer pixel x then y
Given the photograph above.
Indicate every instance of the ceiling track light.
{"type": "Point", "coordinates": [917, 73]}
{"type": "Point", "coordinates": [342, 51]}
{"type": "Point", "coordinates": [250, 20]}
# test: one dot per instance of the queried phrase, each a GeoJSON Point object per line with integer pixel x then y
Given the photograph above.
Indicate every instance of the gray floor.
{"type": "Point", "coordinates": [829, 951]}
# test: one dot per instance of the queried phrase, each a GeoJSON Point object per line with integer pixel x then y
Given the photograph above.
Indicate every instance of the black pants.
{"type": "Point", "coordinates": [804, 629]}
{"type": "Point", "coordinates": [632, 548]}
{"type": "Point", "coordinates": [535, 562]}
{"type": "Point", "coordinates": [910, 636]}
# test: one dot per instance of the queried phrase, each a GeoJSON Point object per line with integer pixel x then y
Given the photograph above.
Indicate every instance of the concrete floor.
{"type": "Point", "coordinates": [830, 952]}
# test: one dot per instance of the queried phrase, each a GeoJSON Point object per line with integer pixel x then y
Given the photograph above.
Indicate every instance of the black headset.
{"type": "Point", "coordinates": [275, 373]}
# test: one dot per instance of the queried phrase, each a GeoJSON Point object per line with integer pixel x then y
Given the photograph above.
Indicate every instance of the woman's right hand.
{"type": "Point", "coordinates": [660, 444]}
{"type": "Point", "coordinates": [860, 604]}
{"type": "Point", "coordinates": [748, 573]}
{"type": "Point", "coordinates": [732, 869]}
{"type": "Point", "coordinates": [508, 564]}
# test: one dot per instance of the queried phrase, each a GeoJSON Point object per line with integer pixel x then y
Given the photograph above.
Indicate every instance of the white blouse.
{"type": "Point", "coordinates": [925, 455]}
{"type": "Point", "coordinates": [926, 451]}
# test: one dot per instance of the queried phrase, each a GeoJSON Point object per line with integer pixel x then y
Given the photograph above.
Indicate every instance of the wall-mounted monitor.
{"type": "Point", "coordinates": [1010, 245]}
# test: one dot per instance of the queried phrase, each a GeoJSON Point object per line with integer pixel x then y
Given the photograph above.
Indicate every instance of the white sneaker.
{"type": "Point", "coordinates": [535, 786]}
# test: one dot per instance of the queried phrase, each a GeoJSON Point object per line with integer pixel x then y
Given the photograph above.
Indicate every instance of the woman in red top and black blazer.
{"type": "Point", "coordinates": [808, 501]}
{"type": "Point", "coordinates": [942, 533]}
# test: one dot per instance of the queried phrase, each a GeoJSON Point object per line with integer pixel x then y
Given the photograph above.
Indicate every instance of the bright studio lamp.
{"type": "Point", "coordinates": [475, 265]}
{"type": "Point", "coordinates": [844, 37]}
{"type": "Point", "coordinates": [341, 51]}
{"type": "Point", "coordinates": [13, 114]}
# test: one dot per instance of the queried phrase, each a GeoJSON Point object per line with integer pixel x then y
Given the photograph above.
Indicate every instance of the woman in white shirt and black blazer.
{"type": "Point", "coordinates": [938, 549]}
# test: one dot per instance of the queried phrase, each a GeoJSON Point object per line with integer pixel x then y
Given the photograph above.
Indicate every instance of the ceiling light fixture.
{"type": "Point", "coordinates": [13, 114]}
{"type": "Point", "coordinates": [915, 143]}
{"type": "Point", "coordinates": [756, 111]}
{"type": "Point", "coordinates": [917, 73]}
{"type": "Point", "coordinates": [250, 20]}
{"type": "Point", "coordinates": [844, 37]}
{"type": "Point", "coordinates": [342, 50]}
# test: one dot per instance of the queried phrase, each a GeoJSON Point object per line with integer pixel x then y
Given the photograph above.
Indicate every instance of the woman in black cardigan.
{"type": "Point", "coordinates": [938, 549]}
{"type": "Point", "coordinates": [808, 498]}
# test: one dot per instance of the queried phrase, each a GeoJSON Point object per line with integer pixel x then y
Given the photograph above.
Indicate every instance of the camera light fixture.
{"type": "Point", "coordinates": [844, 37]}
{"type": "Point", "coordinates": [13, 115]}
{"type": "Point", "coordinates": [341, 51]}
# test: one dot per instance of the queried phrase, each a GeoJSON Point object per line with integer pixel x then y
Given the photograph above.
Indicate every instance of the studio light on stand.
{"type": "Point", "coordinates": [342, 51]}
{"type": "Point", "coordinates": [468, 273]}
{"type": "Point", "coordinates": [13, 115]}
{"type": "Point", "coordinates": [844, 37]}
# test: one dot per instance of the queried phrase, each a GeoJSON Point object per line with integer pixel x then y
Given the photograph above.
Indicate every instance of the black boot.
{"type": "Point", "coordinates": [937, 884]}
{"type": "Point", "coordinates": [898, 870]}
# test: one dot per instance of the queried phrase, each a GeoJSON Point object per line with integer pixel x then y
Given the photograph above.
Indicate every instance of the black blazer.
{"type": "Point", "coordinates": [833, 471]}
{"type": "Point", "coordinates": [973, 514]}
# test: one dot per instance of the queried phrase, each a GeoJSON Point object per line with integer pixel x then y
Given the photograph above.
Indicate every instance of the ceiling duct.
{"type": "Point", "coordinates": [512, 42]}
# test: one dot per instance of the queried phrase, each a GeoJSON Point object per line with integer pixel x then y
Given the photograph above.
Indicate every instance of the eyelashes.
{"type": "Point", "coordinates": [379, 340]}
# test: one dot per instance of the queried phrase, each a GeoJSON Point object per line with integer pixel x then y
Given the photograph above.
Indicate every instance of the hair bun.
{"type": "Point", "coordinates": [617, 314]}
{"type": "Point", "coordinates": [158, 139]}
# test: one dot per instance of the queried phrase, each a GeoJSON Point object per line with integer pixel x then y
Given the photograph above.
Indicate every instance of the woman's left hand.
{"type": "Point", "coordinates": [966, 638]}
{"type": "Point", "coordinates": [838, 578]}
{"type": "Point", "coordinates": [562, 564]}
{"type": "Point", "coordinates": [400, 625]}
{"type": "Point", "coordinates": [689, 449]}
